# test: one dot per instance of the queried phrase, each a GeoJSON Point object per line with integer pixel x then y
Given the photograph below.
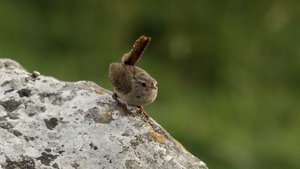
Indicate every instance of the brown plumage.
{"type": "Point", "coordinates": [134, 55]}
{"type": "Point", "coordinates": [132, 84]}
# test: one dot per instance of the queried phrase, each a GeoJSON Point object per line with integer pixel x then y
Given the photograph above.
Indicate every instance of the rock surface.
{"type": "Point", "coordinates": [47, 123]}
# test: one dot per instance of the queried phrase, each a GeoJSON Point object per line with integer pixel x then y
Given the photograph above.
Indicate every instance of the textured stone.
{"type": "Point", "coordinates": [51, 124]}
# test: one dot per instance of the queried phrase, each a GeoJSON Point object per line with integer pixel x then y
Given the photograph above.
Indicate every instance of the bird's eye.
{"type": "Point", "coordinates": [144, 84]}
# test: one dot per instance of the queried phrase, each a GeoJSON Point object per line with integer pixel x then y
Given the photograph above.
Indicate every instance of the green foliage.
{"type": "Point", "coordinates": [228, 72]}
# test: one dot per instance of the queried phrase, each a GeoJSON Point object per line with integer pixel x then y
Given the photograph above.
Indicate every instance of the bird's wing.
{"type": "Point", "coordinates": [120, 77]}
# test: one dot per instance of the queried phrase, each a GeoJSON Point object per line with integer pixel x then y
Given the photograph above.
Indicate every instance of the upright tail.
{"type": "Point", "coordinates": [133, 56]}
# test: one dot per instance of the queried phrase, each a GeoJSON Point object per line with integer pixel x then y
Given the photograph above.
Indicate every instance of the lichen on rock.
{"type": "Point", "coordinates": [48, 123]}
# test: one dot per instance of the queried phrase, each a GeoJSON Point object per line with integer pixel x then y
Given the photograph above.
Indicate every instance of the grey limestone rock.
{"type": "Point", "coordinates": [50, 124]}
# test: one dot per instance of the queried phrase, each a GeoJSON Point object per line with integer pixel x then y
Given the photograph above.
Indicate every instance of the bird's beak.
{"type": "Point", "coordinates": [153, 86]}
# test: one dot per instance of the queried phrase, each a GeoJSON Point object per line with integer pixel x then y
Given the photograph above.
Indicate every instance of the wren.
{"type": "Point", "coordinates": [133, 85]}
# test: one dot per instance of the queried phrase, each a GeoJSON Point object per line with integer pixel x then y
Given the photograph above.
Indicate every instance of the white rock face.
{"type": "Point", "coordinates": [50, 124]}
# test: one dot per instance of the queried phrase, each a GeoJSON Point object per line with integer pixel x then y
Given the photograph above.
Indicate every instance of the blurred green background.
{"type": "Point", "coordinates": [228, 72]}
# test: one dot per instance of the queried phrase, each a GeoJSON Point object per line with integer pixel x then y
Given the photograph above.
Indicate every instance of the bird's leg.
{"type": "Point", "coordinates": [122, 107]}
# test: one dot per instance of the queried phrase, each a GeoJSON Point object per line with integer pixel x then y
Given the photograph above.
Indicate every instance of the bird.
{"type": "Point", "coordinates": [132, 84]}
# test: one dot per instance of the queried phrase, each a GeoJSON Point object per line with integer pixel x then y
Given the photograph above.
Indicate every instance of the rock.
{"type": "Point", "coordinates": [47, 123]}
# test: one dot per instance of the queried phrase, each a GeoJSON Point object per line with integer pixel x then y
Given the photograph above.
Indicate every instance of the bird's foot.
{"type": "Point", "coordinates": [122, 106]}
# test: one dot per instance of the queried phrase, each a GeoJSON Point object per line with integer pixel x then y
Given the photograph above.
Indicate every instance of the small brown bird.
{"type": "Point", "coordinates": [133, 85]}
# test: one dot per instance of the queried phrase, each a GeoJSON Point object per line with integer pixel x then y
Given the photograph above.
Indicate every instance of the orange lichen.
{"type": "Point", "coordinates": [99, 91]}
{"type": "Point", "coordinates": [156, 136]}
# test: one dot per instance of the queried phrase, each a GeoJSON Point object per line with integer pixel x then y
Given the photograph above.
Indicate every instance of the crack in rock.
{"type": "Point", "coordinates": [24, 92]}
{"type": "Point", "coordinates": [51, 123]}
{"type": "Point", "coordinates": [46, 158]}
{"type": "Point", "coordinates": [24, 163]}
{"type": "Point", "coordinates": [10, 105]}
